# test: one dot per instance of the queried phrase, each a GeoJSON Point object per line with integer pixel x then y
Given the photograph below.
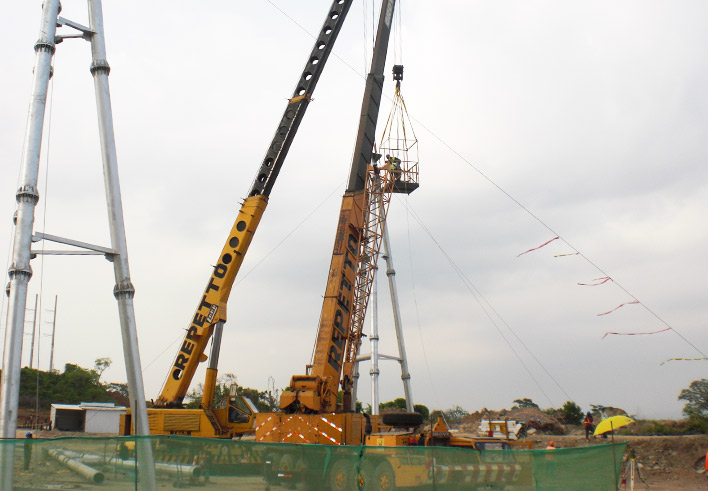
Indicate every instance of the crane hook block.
{"type": "Point", "coordinates": [398, 72]}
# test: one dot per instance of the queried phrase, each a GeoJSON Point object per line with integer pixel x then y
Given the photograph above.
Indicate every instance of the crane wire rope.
{"type": "Point", "coordinates": [481, 300]}
{"type": "Point", "coordinates": [433, 386]}
{"type": "Point", "coordinates": [560, 237]}
{"type": "Point", "coordinates": [524, 208]}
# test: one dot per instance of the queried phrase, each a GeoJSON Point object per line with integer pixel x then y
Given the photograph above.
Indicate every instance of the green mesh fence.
{"type": "Point", "coordinates": [110, 463]}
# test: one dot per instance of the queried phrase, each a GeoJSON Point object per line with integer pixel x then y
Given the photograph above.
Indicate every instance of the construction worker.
{"type": "Point", "coordinates": [589, 425]}
{"type": "Point", "coordinates": [551, 446]}
{"type": "Point", "coordinates": [27, 452]}
{"type": "Point", "coordinates": [394, 164]}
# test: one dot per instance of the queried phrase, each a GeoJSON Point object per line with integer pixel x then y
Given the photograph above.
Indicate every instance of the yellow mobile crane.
{"type": "Point", "coordinates": [168, 416]}
{"type": "Point", "coordinates": [311, 413]}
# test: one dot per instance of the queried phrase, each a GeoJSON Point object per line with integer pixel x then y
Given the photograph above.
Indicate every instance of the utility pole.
{"type": "Point", "coordinates": [34, 330]}
{"type": "Point", "coordinates": [54, 329]}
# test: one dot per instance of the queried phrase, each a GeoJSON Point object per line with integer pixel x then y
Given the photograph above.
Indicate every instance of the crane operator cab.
{"type": "Point", "coordinates": [241, 409]}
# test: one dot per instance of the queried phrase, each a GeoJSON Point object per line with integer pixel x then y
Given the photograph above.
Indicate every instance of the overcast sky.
{"type": "Point", "coordinates": [591, 116]}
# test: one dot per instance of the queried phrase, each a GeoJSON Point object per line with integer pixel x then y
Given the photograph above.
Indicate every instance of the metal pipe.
{"type": "Point", "coordinates": [83, 470]}
{"type": "Point", "coordinates": [20, 271]}
{"type": "Point", "coordinates": [194, 471]}
{"type": "Point", "coordinates": [124, 290]}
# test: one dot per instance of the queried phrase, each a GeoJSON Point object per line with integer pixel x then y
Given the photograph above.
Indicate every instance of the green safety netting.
{"type": "Point", "coordinates": [111, 463]}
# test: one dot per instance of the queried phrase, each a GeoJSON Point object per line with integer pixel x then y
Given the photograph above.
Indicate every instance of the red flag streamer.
{"type": "Point", "coordinates": [703, 358]}
{"type": "Point", "coordinates": [602, 280]}
{"type": "Point", "coordinates": [537, 248]}
{"type": "Point", "coordinates": [620, 305]}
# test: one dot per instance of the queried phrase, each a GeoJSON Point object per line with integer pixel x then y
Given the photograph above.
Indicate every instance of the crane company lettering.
{"type": "Point", "coordinates": [341, 320]}
{"type": "Point", "coordinates": [190, 340]}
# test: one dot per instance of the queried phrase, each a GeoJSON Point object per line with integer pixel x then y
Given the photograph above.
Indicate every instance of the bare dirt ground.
{"type": "Point", "coordinates": [665, 463]}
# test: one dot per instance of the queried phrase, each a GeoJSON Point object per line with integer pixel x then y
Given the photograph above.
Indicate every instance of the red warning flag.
{"type": "Point", "coordinates": [637, 334]}
{"type": "Point", "coordinates": [620, 305]}
{"type": "Point", "coordinates": [537, 248]}
{"type": "Point", "coordinates": [602, 280]}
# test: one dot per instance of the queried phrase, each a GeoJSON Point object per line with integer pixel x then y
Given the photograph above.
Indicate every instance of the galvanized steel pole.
{"type": "Point", "coordinates": [391, 273]}
{"type": "Point", "coordinates": [123, 290]}
{"type": "Point", "coordinates": [20, 271]}
{"type": "Point", "coordinates": [374, 340]}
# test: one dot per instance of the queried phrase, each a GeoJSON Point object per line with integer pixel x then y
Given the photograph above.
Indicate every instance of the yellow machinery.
{"type": "Point", "coordinates": [167, 416]}
{"type": "Point", "coordinates": [312, 398]}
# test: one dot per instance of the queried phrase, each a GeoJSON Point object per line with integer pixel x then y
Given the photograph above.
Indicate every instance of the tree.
{"type": "Point", "coordinates": [100, 366]}
{"type": "Point", "coordinates": [398, 403]}
{"type": "Point", "coordinates": [524, 403]}
{"type": "Point", "coordinates": [571, 413]}
{"type": "Point", "coordinates": [223, 390]}
{"type": "Point", "coordinates": [454, 415]}
{"type": "Point", "coordinates": [423, 410]}
{"type": "Point", "coordinates": [696, 397]}
{"type": "Point", "coordinates": [120, 388]}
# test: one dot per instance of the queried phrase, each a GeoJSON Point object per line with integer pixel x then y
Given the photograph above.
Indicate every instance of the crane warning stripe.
{"type": "Point", "coordinates": [478, 473]}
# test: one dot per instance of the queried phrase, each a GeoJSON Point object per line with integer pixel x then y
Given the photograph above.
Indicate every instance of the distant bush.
{"type": "Point", "coordinates": [73, 386]}
{"type": "Point", "coordinates": [691, 426]}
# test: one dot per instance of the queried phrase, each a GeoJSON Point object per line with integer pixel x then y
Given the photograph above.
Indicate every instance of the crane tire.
{"type": "Point", "coordinates": [402, 419]}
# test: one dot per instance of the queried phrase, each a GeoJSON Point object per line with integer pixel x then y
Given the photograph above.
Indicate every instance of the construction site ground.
{"type": "Point", "coordinates": [665, 463]}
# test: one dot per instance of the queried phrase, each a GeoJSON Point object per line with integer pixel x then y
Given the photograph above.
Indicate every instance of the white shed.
{"type": "Point", "coordinates": [89, 417]}
{"type": "Point", "coordinates": [102, 417]}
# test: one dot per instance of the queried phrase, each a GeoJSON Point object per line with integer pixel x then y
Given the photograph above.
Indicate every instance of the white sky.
{"type": "Point", "coordinates": [592, 115]}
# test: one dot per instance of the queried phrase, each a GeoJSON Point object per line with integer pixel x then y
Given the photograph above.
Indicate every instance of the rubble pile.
{"type": "Point", "coordinates": [533, 419]}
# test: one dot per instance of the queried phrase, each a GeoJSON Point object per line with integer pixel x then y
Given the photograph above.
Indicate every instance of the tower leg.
{"type": "Point", "coordinates": [20, 271]}
{"type": "Point", "coordinates": [123, 290]}
{"type": "Point", "coordinates": [391, 273]}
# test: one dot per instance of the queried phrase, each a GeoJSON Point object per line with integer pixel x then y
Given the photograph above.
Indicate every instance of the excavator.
{"type": "Point", "coordinates": [168, 416]}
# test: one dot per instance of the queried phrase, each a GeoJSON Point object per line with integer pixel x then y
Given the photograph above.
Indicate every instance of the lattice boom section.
{"type": "Point", "coordinates": [379, 186]}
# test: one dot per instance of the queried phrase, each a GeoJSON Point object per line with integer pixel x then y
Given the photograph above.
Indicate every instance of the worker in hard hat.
{"type": "Point", "coordinates": [551, 446]}
{"type": "Point", "coordinates": [394, 163]}
{"type": "Point", "coordinates": [27, 452]}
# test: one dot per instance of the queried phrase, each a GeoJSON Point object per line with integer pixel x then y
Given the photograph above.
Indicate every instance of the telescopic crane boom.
{"type": "Point", "coordinates": [211, 311]}
{"type": "Point", "coordinates": [210, 315]}
{"type": "Point", "coordinates": [316, 392]}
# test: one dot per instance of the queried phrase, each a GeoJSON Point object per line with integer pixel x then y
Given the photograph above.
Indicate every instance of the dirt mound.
{"type": "Point", "coordinates": [532, 418]}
